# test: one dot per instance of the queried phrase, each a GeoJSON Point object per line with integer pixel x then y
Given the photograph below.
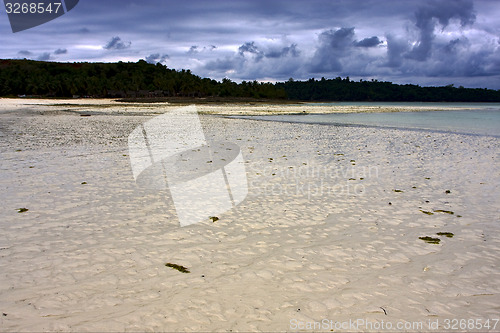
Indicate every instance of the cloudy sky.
{"type": "Point", "coordinates": [424, 42]}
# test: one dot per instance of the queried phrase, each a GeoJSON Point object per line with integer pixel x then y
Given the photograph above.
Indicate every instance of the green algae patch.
{"type": "Point", "coordinates": [430, 240]}
{"type": "Point", "coordinates": [426, 212]}
{"type": "Point", "coordinates": [180, 268]}
{"type": "Point", "coordinates": [22, 210]}
{"type": "Point", "coordinates": [398, 191]}
{"type": "Point", "coordinates": [443, 211]}
{"type": "Point", "coordinates": [214, 218]}
{"type": "Point", "coordinates": [447, 234]}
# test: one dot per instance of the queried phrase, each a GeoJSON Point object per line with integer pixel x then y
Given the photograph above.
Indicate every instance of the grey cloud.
{"type": "Point", "coordinates": [368, 42]}
{"type": "Point", "coordinates": [333, 45]}
{"type": "Point", "coordinates": [250, 47]}
{"type": "Point", "coordinates": [116, 44]}
{"type": "Point", "coordinates": [25, 53]}
{"type": "Point", "coordinates": [44, 57]}
{"type": "Point", "coordinates": [156, 58]}
{"type": "Point", "coordinates": [61, 51]}
{"type": "Point", "coordinates": [337, 40]}
{"type": "Point", "coordinates": [208, 48]}
{"type": "Point", "coordinates": [225, 64]}
{"type": "Point", "coordinates": [193, 50]}
{"type": "Point", "coordinates": [452, 46]}
{"type": "Point", "coordinates": [396, 48]}
{"type": "Point", "coordinates": [254, 61]}
{"type": "Point", "coordinates": [277, 39]}
{"type": "Point", "coordinates": [456, 59]}
{"type": "Point", "coordinates": [442, 12]}
{"type": "Point", "coordinates": [283, 52]}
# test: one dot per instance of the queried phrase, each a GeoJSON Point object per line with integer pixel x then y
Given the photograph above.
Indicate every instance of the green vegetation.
{"type": "Point", "coordinates": [180, 268]}
{"type": "Point", "coordinates": [447, 234]}
{"type": "Point", "coordinates": [340, 89]}
{"type": "Point", "coordinates": [22, 210]}
{"type": "Point", "coordinates": [120, 80]}
{"type": "Point", "coordinates": [153, 83]}
{"type": "Point", "coordinates": [430, 240]}
{"type": "Point", "coordinates": [426, 212]}
{"type": "Point", "coordinates": [214, 218]}
{"type": "Point", "coordinates": [443, 211]}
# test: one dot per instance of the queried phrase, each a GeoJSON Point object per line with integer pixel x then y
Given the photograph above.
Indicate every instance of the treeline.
{"type": "Point", "coordinates": [140, 79]}
{"type": "Point", "coordinates": [144, 80]}
{"type": "Point", "coordinates": [339, 89]}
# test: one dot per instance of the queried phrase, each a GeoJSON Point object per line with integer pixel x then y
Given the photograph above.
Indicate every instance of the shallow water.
{"type": "Point", "coordinates": [477, 118]}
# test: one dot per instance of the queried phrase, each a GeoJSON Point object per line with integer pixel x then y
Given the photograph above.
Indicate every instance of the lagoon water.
{"type": "Point", "coordinates": [471, 118]}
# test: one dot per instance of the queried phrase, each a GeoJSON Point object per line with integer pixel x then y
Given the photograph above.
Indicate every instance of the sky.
{"type": "Point", "coordinates": [430, 43]}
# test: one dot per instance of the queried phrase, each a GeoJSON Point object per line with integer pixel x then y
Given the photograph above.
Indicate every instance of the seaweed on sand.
{"type": "Point", "coordinates": [180, 268]}
{"type": "Point", "coordinates": [430, 240]}
{"type": "Point", "coordinates": [447, 234]}
{"type": "Point", "coordinates": [444, 211]}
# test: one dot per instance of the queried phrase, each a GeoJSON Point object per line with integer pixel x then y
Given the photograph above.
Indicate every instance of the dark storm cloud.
{"type": "Point", "coordinates": [368, 42]}
{"type": "Point", "coordinates": [455, 59]}
{"type": "Point", "coordinates": [24, 53]}
{"type": "Point", "coordinates": [116, 43]}
{"type": "Point", "coordinates": [398, 40]}
{"type": "Point", "coordinates": [250, 48]}
{"type": "Point", "coordinates": [396, 48]}
{"type": "Point", "coordinates": [259, 60]}
{"type": "Point", "coordinates": [258, 53]}
{"type": "Point", "coordinates": [61, 51]}
{"type": "Point", "coordinates": [430, 14]}
{"type": "Point", "coordinates": [223, 65]}
{"type": "Point", "coordinates": [283, 52]}
{"type": "Point", "coordinates": [156, 58]}
{"type": "Point", "coordinates": [333, 45]}
{"type": "Point", "coordinates": [44, 56]}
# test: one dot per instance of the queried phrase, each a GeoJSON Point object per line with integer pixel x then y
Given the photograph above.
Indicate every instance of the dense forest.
{"type": "Point", "coordinates": [142, 79]}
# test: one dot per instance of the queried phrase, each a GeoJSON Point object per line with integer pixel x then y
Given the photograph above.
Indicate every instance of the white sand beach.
{"type": "Point", "coordinates": [328, 233]}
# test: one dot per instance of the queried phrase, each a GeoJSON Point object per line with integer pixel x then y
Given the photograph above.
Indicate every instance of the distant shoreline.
{"type": "Point", "coordinates": [218, 101]}
{"type": "Point", "coordinates": [110, 106]}
{"type": "Point", "coordinates": [141, 80]}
